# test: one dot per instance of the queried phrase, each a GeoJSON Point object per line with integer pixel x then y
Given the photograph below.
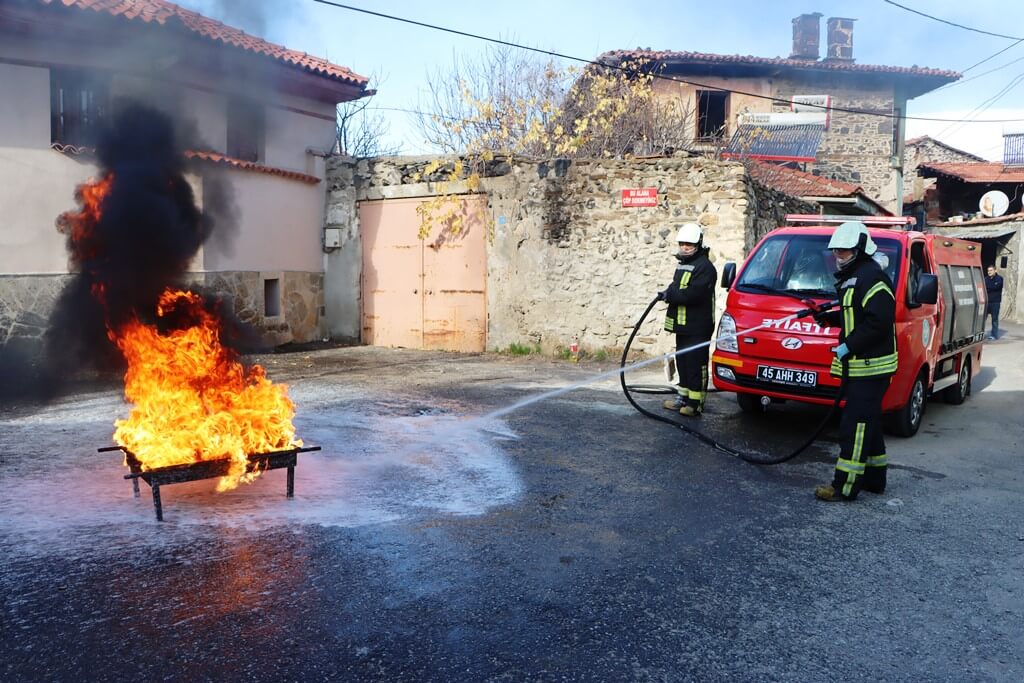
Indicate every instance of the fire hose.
{"type": "Point", "coordinates": [756, 459]}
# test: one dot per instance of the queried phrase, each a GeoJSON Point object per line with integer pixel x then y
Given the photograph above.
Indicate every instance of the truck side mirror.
{"type": "Point", "coordinates": [728, 274]}
{"type": "Point", "coordinates": [927, 289]}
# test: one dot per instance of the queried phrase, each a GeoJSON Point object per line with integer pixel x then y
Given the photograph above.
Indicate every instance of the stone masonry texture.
{"type": "Point", "coordinates": [566, 259]}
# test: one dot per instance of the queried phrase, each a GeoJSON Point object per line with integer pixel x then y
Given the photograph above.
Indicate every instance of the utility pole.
{"type": "Point", "coordinates": [899, 136]}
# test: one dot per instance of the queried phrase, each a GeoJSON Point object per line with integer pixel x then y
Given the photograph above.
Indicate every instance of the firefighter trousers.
{"type": "Point", "coordinates": [862, 459]}
{"type": "Point", "coordinates": [692, 369]}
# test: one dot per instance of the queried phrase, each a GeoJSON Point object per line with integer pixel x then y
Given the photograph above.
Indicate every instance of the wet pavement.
{"type": "Point", "coordinates": [572, 539]}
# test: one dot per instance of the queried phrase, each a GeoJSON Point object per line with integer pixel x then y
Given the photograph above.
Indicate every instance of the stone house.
{"type": "Point", "coordinates": [545, 253]}
{"type": "Point", "coordinates": [834, 196]}
{"type": "Point", "coordinates": [838, 118]}
{"type": "Point", "coordinates": [958, 200]}
{"type": "Point", "coordinates": [920, 197]}
{"type": "Point", "coordinates": [263, 117]}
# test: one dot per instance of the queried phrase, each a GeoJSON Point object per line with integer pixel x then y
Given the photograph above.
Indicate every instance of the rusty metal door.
{"type": "Point", "coordinates": [424, 294]}
{"type": "Point", "coordinates": [454, 277]}
{"type": "Point", "coordinates": [392, 273]}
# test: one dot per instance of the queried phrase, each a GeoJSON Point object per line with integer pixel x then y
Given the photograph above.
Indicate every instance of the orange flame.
{"type": "Point", "coordinates": [194, 400]}
{"type": "Point", "coordinates": [80, 225]}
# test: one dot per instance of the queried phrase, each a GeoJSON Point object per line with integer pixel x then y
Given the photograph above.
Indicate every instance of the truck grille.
{"type": "Point", "coordinates": [756, 384]}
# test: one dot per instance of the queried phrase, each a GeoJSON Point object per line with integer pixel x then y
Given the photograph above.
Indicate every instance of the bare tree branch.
{"type": "Point", "coordinates": [510, 102]}
{"type": "Point", "coordinates": [360, 131]}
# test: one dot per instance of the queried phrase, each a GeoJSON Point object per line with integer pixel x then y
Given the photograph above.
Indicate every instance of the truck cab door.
{"type": "Point", "coordinates": [917, 336]}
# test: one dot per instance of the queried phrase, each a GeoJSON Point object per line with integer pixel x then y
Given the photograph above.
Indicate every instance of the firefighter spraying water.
{"type": "Point", "coordinates": [866, 356]}
{"type": "Point", "coordinates": [691, 316]}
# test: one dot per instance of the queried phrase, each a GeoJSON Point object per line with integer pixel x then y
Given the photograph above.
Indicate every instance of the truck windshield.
{"type": "Point", "coordinates": [803, 265]}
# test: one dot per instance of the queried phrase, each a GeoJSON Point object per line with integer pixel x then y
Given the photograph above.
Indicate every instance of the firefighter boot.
{"type": "Point", "coordinates": [690, 410]}
{"type": "Point", "coordinates": [829, 494]}
{"type": "Point", "coordinates": [677, 404]}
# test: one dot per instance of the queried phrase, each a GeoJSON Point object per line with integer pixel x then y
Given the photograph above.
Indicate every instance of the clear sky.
{"type": "Point", "coordinates": [402, 55]}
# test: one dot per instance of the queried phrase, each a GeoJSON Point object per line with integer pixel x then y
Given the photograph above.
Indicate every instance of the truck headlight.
{"type": "Point", "coordinates": [727, 335]}
{"type": "Point", "coordinates": [725, 373]}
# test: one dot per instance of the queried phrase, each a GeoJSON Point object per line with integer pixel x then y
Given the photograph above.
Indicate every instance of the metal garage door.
{"type": "Point", "coordinates": [424, 294]}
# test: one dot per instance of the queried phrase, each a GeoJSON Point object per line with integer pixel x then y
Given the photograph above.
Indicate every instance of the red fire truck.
{"type": "Point", "coordinates": [940, 309]}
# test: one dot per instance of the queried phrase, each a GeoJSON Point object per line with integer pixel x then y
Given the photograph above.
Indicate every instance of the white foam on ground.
{"type": "Point", "coordinates": [373, 469]}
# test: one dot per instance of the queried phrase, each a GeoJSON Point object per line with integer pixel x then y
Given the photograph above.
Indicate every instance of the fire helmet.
{"type": "Point", "coordinates": [853, 235]}
{"type": "Point", "coordinates": [690, 233]}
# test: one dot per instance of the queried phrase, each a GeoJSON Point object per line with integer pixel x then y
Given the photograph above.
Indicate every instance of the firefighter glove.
{"type": "Point", "coordinates": [842, 351]}
{"type": "Point", "coordinates": [662, 295]}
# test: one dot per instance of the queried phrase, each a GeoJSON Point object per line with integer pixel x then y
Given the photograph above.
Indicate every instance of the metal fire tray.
{"type": "Point", "coordinates": [205, 469]}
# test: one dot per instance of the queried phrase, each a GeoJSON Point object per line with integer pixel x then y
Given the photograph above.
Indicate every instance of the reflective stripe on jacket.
{"type": "Point", "coordinates": [691, 297]}
{"type": "Point", "coordinates": [868, 318]}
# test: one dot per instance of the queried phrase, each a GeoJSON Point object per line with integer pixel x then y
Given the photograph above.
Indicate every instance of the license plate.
{"type": "Point", "coordinates": [796, 378]}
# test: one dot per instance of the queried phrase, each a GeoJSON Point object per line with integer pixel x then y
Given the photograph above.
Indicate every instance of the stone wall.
{"type": "Point", "coordinates": [918, 189]}
{"type": "Point", "coordinates": [926, 149]}
{"type": "Point", "coordinates": [343, 262]}
{"type": "Point", "coordinates": [857, 147]}
{"type": "Point", "coordinates": [567, 260]}
{"type": "Point", "coordinates": [770, 209]}
{"type": "Point", "coordinates": [26, 302]}
{"type": "Point", "coordinates": [301, 316]}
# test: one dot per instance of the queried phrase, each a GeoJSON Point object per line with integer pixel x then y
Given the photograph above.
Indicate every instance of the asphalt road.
{"type": "Point", "coordinates": [571, 539]}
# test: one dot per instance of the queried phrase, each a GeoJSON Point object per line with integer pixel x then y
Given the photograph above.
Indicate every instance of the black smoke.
{"type": "Point", "coordinates": [149, 231]}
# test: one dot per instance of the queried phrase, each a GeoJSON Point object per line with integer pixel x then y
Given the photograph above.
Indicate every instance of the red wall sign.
{"type": "Point", "coordinates": [640, 196]}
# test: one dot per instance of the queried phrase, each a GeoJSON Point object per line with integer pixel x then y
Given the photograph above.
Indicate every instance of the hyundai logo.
{"type": "Point", "coordinates": [791, 343]}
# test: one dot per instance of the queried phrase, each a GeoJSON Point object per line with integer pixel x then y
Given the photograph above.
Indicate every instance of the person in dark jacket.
{"type": "Point", "coordinates": [994, 286]}
{"type": "Point", "coordinates": [691, 316]}
{"type": "Point", "coordinates": [867, 354]}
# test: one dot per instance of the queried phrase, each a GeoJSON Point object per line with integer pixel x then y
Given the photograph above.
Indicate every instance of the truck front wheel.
{"type": "Point", "coordinates": [907, 420]}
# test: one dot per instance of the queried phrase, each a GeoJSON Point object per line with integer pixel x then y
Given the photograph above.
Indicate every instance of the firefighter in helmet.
{"type": "Point", "coordinates": [691, 312]}
{"type": "Point", "coordinates": [867, 348]}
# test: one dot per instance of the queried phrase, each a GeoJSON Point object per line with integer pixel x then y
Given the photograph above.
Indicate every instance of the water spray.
{"type": "Point", "coordinates": [623, 369]}
{"type": "Point", "coordinates": [756, 459]}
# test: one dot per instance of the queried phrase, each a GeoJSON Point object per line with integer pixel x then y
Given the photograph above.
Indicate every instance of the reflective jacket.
{"type": "Point", "coordinates": [691, 296]}
{"type": "Point", "coordinates": [867, 320]}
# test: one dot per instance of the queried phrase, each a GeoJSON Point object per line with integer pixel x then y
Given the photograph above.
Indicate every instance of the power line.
{"type": "Point", "coordinates": [984, 73]}
{"type": "Point", "coordinates": [984, 106]}
{"type": "Point", "coordinates": [991, 56]}
{"type": "Point", "coordinates": [674, 79]}
{"type": "Point", "coordinates": [952, 23]}
{"type": "Point", "coordinates": [1017, 41]}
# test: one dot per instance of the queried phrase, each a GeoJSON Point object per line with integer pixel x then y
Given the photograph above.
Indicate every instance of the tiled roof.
{"type": "Point", "coordinates": [232, 162]}
{"type": "Point", "coordinates": [669, 56]}
{"type": "Point", "coordinates": [797, 183]}
{"type": "Point", "coordinates": [168, 14]}
{"type": "Point", "coordinates": [206, 156]}
{"type": "Point", "coordinates": [974, 171]}
{"type": "Point", "coordinates": [924, 139]}
{"type": "Point", "coordinates": [995, 220]}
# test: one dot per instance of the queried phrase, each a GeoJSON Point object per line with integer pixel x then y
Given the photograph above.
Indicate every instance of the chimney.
{"type": "Point", "coordinates": [840, 39]}
{"type": "Point", "coordinates": [806, 36]}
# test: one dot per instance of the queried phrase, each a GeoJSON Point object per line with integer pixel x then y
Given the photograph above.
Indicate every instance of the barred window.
{"type": "Point", "coordinates": [79, 101]}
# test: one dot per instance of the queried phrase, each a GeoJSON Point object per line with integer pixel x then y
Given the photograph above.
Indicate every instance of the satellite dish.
{"type": "Point", "coordinates": [993, 203]}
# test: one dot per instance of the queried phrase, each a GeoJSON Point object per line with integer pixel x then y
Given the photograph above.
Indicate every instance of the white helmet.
{"type": "Point", "coordinates": [690, 233]}
{"type": "Point", "coordinates": [853, 235]}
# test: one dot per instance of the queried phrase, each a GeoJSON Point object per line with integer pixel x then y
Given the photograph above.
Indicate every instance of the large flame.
{"type": "Point", "coordinates": [84, 242]}
{"type": "Point", "coordinates": [193, 399]}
